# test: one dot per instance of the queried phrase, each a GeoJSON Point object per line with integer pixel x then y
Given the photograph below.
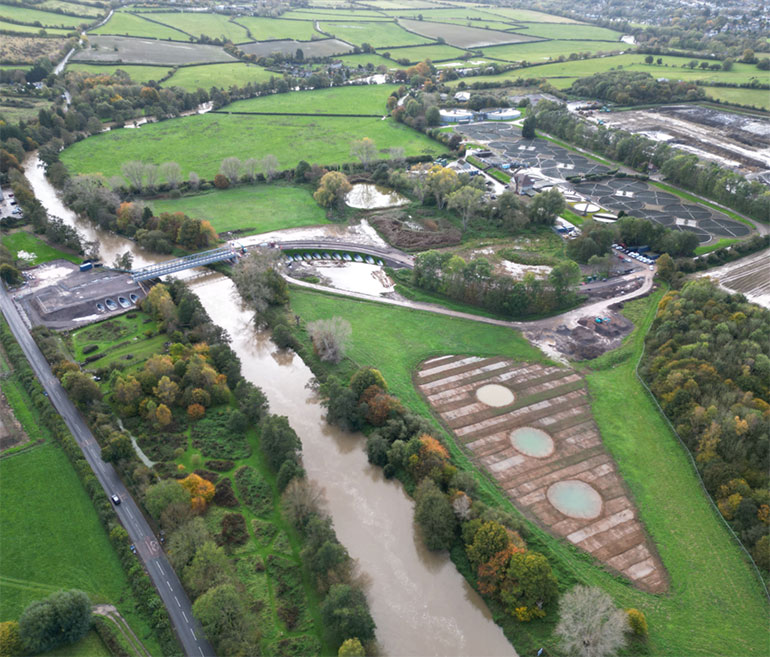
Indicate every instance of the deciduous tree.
{"type": "Point", "coordinates": [330, 338]}
{"type": "Point", "coordinates": [589, 624]}
{"type": "Point", "coordinates": [435, 516]}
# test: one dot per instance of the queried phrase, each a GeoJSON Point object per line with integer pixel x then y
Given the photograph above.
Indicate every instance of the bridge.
{"type": "Point", "coordinates": [389, 255]}
{"type": "Point", "coordinates": [187, 262]}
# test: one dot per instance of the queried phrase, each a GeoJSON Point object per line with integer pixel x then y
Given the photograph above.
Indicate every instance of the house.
{"type": "Point", "coordinates": [523, 183]}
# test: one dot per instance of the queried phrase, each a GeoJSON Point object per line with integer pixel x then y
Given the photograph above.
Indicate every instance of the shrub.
{"type": "Point", "coordinates": [224, 495]}
{"type": "Point", "coordinates": [254, 490]}
{"type": "Point", "coordinates": [637, 622]}
{"type": "Point", "coordinates": [364, 378]}
{"type": "Point", "coordinates": [234, 530]}
{"type": "Point", "coordinates": [220, 465]}
{"type": "Point", "coordinates": [61, 619]}
{"type": "Point", "coordinates": [435, 516]}
{"type": "Point", "coordinates": [10, 639]}
{"type": "Point", "coordinates": [91, 348]}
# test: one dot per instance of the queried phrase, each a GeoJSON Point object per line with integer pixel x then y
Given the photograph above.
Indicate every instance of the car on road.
{"type": "Point", "coordinates": [115, 499]}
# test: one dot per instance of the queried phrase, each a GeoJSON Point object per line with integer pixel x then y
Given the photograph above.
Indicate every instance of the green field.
{"type": "Point", "coordinates": [218, 75]}
{"type": "Point", "coordinates": [215, 26]}
{"type": "Point", "coordinates": [528, 16]}
{"type": "Point", "coordinates": [366, 58]}
{"type": "Point", "coordinates": [332, 15]}
{"type": "Point", "coordinates": [50, 536]}
{"type": "Point", "coordinates": [137, 73]}
{"type": "Point", "coordinates": [715, 605]}
{"type": "Point", "coordinates": [421, 53]}
{"type": "Point", "coordinates": [750, 97]}
{"type": "Point", "coordinates": [564, 31]}
{"type": "Point", "coordinates": [486, 24]}
{"type": "Point", "coordinates": [538, 51]}
{"type": "Point", "coordinates": [364, 99]}
{"type": "Point", "coordinates": [451, 14]}
{"type": "Point", "coordinates": [110, 49]}
{"type": "Point", "coordinates": [378, 35]}
{"type": "Point", "coordinates": [24, 241]}
{"type": "Point", "coordinates": [263, 29]}
{"type": "Point", "coordinates": [253, 209]}
{"type": "Point", "coordinates": [12, 113]}
{"type": "Point", "coordinates": [31, 29]}
{"type": "Point", "coordinates": [71, 8]}
{"type": "Point", "coordinates": [126, 24]}
{"type": "Point", "coordinates": [89, 646]}
{"type": "Point", "coordinates": [200, 143]}
{"type": "Point", "coordinates": [45, 18]}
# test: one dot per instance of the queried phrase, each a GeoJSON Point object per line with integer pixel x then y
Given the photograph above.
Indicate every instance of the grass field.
{"type": "Point", "coordinates": [486, 24]}
{"type": "Point", "coordinates": [71, 8]}
{"type": "Point", "coordinates": [13, 113]}
{"type": "Point", "coordinates": [445, 14]}
{"type": "Point", "coordinates": [24, 241]}
{"type": "Point", "coordinates": [113, 335]}
{"type": "Point", "coordinates": [126, 24]}
{"type": "Point", "coordinates": [364, 99]}
{"type": "Point", "coordinates": [715, 605]}
{"type": "Point", "coordinates": [137, 73]}
{"type": "Point", "coordinates": [376, 34]}
{"type": "Point", "coordinates": [212, 25]}
{"type": "Point", "coordinates": [461, 35]}
{"type": "Point", "coordinates": [318, 48]}
{"type": "Point", "coordinates": [421, 53]}
{"type": "Point", "coordinates": [50, 536]}
{"type": "Point", "coordinates": [566, 31]}
{"type": "Point", "coordinates": [339, 15]}
{"type": "Point", "coordinates": [89, 646]}
{"type": "Point", "coordinates": [45, 18]}
{"type": "Point", "coordinates": [263, 29]}
{"type": "Point", "coordinates": [366, 58]}
{"type": "Point", "coordinates": [31, 29]}
{"type": "Point", "coordinates": [127, 50]}
{"type": "Point", "coordinates": [218, 75]}
{"type": "Point", "coordinates": [200, 143]}
{"type": "Point", "coordinates": [253, 209]}
{"type": "Point", "coordinates": [539, 51]}
{"type": "Point", "coordinates": [529, 16]}
{"type": "Point", "coordinates": [755, 97]}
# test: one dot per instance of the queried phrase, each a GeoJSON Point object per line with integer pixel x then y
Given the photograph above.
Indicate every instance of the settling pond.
{"type": "Point", "coordinates": [369, 197]}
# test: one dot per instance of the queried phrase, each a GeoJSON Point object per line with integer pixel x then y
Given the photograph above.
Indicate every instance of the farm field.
{"type": "Point", "coordinates": [200, 143]}
{"type": "Point", "coordinates": [12, 113]}
{"type": "Point", "coordinates": [319, 48]}
{"type": "Point", "coordinates": [215, 26]}
{"type": "Point", "coordinates": [566, 31]}
{"type": "Point", "coordinates": [71, 8]}
{"type": "Point", "coordinates": [715, 605]}
{"type": "Point", "coordinates": [538, 51]}
{"type": "Point", "coordinates": [45, 18]}
{"type": "Point", "coordinates": [455, 13]}
{"type": "Point", "coordinates": [434, 53]}
{"type": "Point", "coordinates": [126, 50]}
{"type": "Point", "coordinates": [251, 209]}
{"type": "Point", "coordinates": [24, 241]}
{"type": "Point", "coordinates": [332, 14]}
{"type": "Point", "coordinates": [363, 99]}
{"type": "Point", "coordinates": [377, 35]}
{"type": "Point", "coordinates": [462, 36]}
{"type": "Point", "coordinates": [370, 58]}
{"type": "Point", "coordinates": [32, 30]}
{"type": "Point", "coordinates": [486, 23]}
{"type": "Point", "coordinates": [755, 97]}
{"type": "Point", "coordinates": [125, 24]}
{"type": "Point", "coordinates": [263, 29]}
{"type": "Point", "coordinates": [218, 75]}
{"type": "Point", "coordinates": [137, 73]}
{"type": "Point", "coordinates": [529, 16]}
{"type": "Point", "coordinates": [25, 50]}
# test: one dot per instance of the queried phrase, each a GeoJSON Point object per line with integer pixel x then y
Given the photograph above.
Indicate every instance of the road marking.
{"type": "Point", "coordinates": [177, 602]}
{"type": "Point", "coordinates": [201, 649]}
{"type": "Point", "coordinates": [130, 515]}
{"type": "Point", "coordinates": [160, 568]}
{"type": "Point", "coordinates": [169, 586]}
{"type": "Point", "coordinates": [193, 633]}
{"type": "Point", "coordinates": [185, 617]}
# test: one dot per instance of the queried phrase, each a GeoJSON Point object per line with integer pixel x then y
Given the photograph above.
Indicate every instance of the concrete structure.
{"type": "Point", "coordinates": [502, 114]}
{"type": "Point", "coordinates": [463, 96]}
{"type": "Point", "coordinates": [187, 262]}
{"type": "Point", "coordinates": [456, 116]}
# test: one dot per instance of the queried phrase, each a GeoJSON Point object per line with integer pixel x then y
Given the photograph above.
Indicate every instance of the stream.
{"type": "Point", "coordinates": [419, 601]}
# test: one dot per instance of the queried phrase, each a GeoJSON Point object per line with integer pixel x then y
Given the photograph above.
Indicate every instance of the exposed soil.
{"type": "Point", "coordinates": [11, 432]}
{"type": "Point", "coordinates": [417, 232]}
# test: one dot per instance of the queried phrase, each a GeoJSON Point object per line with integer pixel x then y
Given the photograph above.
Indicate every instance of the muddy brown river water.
{"type": "Point", "coordinates": [421, 604]}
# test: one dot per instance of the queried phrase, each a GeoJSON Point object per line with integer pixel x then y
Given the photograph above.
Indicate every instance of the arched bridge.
{"type": "Point", "coordinates": [178, 264]}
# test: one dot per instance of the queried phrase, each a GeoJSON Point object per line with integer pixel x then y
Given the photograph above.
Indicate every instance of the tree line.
{"type": "Point", "coordinates": [635, 88]}
{"type": "Point", "coordinates": [707, 361]}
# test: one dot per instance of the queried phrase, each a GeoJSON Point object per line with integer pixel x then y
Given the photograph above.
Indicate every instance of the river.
{"type": "Point", "coordinates": [420, 602]}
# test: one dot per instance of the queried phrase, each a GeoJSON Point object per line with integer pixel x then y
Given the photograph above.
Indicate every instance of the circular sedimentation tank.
{"type": "Point", "coordinates": [587, 207]}
{"type": "Point", "coordinates": [532, 442]}
{"type": "Point", "coordinates": [575, 499]}
{"type": "Point", "coordinates": [493, 394]}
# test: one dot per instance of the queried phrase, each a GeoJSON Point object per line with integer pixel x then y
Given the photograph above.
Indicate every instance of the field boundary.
{"type": "Point", "coordinates": [697, 474]}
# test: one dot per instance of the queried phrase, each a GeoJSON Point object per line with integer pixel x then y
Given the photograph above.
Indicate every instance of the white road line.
{"type": "Point", "coordinates": [177, 602]}
{"type": "Point", "coordinates": [169, 586]}
{"type": "Point", "coordinates": [201, 649]}
{"type": "Point", "coordinates": [193, 633]}
{"type": "Point", "coordinates": [185, 617]}
{"type": "Point", "coordinates": [160, 568]}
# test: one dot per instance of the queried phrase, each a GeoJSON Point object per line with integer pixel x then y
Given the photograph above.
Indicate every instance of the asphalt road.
{"type": "Point", "coordinates": [162, 574]}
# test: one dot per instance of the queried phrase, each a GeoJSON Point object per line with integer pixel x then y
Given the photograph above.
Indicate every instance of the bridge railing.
{"type": "Point", "coordinates": [185, 262]}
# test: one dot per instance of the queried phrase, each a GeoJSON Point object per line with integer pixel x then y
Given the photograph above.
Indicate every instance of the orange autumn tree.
{"type": "Point", "coordinates": [431, 460]}
{"type": "Point", "coordinates": [201, 491]}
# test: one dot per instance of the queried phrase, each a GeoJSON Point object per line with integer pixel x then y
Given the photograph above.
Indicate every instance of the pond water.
{"type": "Point", "coordinates": [421, 604]}
{"type": "Point", "coordinates": [369, 197]}
{"type": "Point", "coordinates": [493, 394]}
{"type": "Point", "coordinates": [575, 499]}
{"type": "Point", "coordinates": [532, 442]}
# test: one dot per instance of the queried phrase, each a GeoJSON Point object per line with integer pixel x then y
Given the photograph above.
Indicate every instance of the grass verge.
{"type": "Point", "coordinates": [43, 252]}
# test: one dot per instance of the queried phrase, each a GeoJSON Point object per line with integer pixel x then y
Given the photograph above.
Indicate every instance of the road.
{"type": "Point", "coordinates": [164, 578]}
